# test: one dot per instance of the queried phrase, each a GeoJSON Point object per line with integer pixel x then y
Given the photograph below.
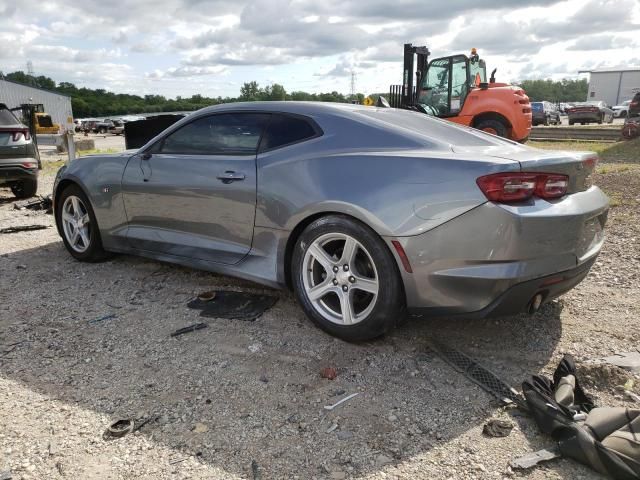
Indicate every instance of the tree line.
{"type": "Point", "coordinates": [565, 90]}
{"type": "Point", "coordinates": [87, 102]}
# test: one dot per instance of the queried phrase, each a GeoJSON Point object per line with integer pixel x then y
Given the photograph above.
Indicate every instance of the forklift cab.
{"type": "Point", "coordinates": [445, 83]}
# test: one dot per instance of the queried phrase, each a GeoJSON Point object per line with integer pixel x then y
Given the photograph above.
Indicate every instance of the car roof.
{"type": "Point", "coordinates": [404, 127]}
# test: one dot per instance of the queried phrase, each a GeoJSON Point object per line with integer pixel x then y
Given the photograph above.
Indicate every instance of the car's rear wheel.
{"type": "Point", "coordinates": [78, 225]}
{"type": "Point", "coordinates": [25, 188]}
{"type": "Point", "coordinates": [346, 279]}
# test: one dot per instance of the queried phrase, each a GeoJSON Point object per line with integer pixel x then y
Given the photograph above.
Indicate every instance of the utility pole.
{"type": "Point", "coordinates": [353, 84]}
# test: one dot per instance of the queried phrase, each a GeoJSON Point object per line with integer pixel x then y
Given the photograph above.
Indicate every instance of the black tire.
{"type": "Point", "coordinates": [388, 307]}
{"type": "Point", "coordinates": [601, 120]}
{"type": "Point", "coordinates": [25, 188]}
{"type": "Point", "coordinates": [546, 121]}
{"type": "Point", "coordinates": [95, 252]}
{"type": "Point", "coordinates": [623, 114]}
{"type": "Point", "coordinates": [103, 130]}
{"type": "Point", "coordinates": [492, 126]}
{"type": "Point", "coordinates": [571, 122]}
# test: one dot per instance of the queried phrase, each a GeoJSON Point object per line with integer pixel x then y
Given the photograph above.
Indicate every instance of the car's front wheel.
{"type": "Point", "coordinates": [346, 279]}
{"type": "Point", "coordinates": [78, 225]}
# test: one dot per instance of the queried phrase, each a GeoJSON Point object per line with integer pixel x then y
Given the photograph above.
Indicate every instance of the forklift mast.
{"type": "Point", "coordinates": [408, 87]}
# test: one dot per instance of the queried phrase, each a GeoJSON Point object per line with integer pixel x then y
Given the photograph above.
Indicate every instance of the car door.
{"type": "Point", "coordinates": [193, 193]}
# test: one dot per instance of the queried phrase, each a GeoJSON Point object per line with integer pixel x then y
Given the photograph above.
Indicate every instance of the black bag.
{"type": "Point", "coordinates": [562, 409]}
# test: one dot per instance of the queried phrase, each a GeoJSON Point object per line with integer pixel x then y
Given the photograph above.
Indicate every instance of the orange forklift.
{"type": "Point", "coordinates": [456, 88]}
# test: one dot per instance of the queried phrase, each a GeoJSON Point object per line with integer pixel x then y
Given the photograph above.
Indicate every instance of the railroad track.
{"type": "Point", "coordinates": [576, 133]}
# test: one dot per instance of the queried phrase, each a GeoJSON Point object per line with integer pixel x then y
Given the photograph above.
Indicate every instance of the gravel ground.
{"type": "Point", "coordinates": [245, 399]}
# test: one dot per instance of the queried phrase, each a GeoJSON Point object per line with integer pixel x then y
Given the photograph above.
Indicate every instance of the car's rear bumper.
{"type": "Point", "coordinates": [584, 117]}
{"type": "Point", "coordinates": [11, 170]}
{"type": "Point", "coordinates": [520, 297]}
{"type": "Point", "coordinates": [468, 263]}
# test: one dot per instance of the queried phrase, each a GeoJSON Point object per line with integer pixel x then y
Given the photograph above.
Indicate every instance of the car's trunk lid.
{"type": "Point", "coordinates": [578, 166]}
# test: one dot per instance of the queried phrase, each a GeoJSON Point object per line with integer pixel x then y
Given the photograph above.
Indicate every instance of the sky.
{"type": "Point", "coordinates": [211, 47]}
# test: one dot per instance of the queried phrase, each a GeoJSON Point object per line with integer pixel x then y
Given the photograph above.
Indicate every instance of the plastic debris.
{"type": "Point", "coordinates": [340, 402]}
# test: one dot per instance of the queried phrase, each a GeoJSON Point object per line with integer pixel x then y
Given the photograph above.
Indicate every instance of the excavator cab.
{"type": "Point", "coordinates": [444, 85]}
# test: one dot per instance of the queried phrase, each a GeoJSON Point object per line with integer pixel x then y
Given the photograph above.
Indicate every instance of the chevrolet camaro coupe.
{"type": "Point", "coordinates": [366, 213]}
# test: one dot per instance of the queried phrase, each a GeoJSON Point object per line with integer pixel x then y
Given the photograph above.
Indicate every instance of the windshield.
{"type": "Point", "coordinates": [536, 106]}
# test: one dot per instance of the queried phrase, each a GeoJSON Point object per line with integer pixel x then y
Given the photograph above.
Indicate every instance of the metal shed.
{"type": "Point", "coordinates": [57, 105]}
{"type": "Point", "coordinates": [613, 85]}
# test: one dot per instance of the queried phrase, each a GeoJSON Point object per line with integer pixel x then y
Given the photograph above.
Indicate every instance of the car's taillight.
{"type": "Point", "coordinates": [551, 186]}
{"type": "Point", "coordinates": [15, 135]}
{"type": "Point", "coordinates": [29, 165]}
{"type": "Point", "coordinates": [516, 187]}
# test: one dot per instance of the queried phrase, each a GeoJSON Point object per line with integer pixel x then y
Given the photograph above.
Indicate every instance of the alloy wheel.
{"type": "Point", "coordinates": [76, 223]}
{"type": "Point", "coordinates": [340, 278]}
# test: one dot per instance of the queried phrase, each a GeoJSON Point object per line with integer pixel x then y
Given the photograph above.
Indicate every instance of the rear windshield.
{"type": "Point", "coordinates": [432, 128]}
{"type": "Point", "coordinates": [7, 118]}
{"type": "Point", "coordinates": [536, 107]}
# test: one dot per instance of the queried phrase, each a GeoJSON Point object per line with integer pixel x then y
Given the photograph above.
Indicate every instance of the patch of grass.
{"type": "Point", "coordinates": [48, 167]}
{"type": "Point", "coordinates": [96, 151]}
{"type": "Point", "coordinates": [617, 168]}
{"type": "Point", "coordinates": [618, 152]}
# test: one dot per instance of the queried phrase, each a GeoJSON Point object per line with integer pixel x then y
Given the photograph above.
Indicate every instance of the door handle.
{"type": "Point", "coordinates": [230, 176]}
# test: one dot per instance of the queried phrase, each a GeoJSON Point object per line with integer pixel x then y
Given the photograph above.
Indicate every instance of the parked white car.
{"type": "Point", "coordinates": [622, 110]}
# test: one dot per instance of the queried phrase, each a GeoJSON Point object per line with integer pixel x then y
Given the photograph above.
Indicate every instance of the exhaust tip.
{"type": "Point", "coordinates": [535, 304]}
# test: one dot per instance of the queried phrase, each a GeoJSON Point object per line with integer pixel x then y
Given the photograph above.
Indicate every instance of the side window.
{"type": "Point", "coordinates": [459, 83]}
{"type": "Point", "coordinates": [284, 130]}
{"type": "Point", "coordinates": [223, 134]}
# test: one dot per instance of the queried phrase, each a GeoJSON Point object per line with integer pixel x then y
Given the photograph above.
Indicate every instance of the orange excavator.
{"type": "Point", "coordinates": [456, 88]}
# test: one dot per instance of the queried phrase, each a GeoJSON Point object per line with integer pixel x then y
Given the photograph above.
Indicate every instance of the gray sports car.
{"type": "Point", "coordinates": [364, 212]}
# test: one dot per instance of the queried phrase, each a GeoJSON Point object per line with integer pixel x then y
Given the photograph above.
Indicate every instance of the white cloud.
{"type": "Point", "coordinates": [144, 45]}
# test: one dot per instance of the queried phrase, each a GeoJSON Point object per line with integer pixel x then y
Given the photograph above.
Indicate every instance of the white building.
{"type": "Point", "coordinates": [55, 104]}
{"type": "Point", "coordinates": [613, 85]}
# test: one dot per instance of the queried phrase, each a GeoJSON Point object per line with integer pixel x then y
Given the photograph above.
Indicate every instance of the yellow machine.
{"type": "Point", "coordinates": [42, 120]}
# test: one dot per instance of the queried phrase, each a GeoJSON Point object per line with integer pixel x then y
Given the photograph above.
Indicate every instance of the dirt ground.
{"type": "Point", "coordinates": [245, 399]}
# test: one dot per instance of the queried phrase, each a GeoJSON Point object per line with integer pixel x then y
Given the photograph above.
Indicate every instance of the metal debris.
{"type": "Point", "coordinates": [340, 402]}
{"type": "Point", "coordinates": [189, 329]}
{"type": "Point", "coordinates": [39, 203]}
{"type": "Point", "coordinates": [102, 319]}
{"type": "Point", "coordinates": [629, 361]}
{"type": "Point", "coordinates": [24, 228]}
{"type": "Point", "coordinates": [532, 459]}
